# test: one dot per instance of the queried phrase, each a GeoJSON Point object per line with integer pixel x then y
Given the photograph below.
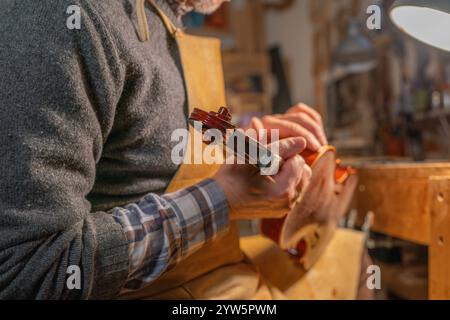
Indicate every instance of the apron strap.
{"type": "Point", "coordinates": [143, 31]}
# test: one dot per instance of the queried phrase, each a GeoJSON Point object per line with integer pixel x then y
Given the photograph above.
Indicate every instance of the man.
{"type": "Point", "coordinates": [85, 123]}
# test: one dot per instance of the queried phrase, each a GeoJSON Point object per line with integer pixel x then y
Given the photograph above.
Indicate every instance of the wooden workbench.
{"type": "Point", "coordinates": [412, 202]}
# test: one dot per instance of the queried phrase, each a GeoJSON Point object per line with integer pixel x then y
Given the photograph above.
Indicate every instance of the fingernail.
{"type": "Point", "coordinates": [315, 147]}
{"type": "Point", "coordinates": [299, 143]}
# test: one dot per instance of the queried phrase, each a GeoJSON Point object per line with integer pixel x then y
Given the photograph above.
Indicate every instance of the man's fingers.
{"type": "Point", "coordinates": [308, 123]}
{"type": "Point", "coordinates": [301, 107]}
{"type": "Point", "coordinates": [290, 129]}
{"type": "Point", "coordinates": [257, 124]}
{"type": "Point", "coordinates": [290, 147]}
{"type": "Point", "coordinates": [289, 177]}
{"type": "Point", "coordinates": [306, 178]}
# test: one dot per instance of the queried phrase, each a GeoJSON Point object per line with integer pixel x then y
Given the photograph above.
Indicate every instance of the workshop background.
{"type": "Point", "coordinates": [386, 110]}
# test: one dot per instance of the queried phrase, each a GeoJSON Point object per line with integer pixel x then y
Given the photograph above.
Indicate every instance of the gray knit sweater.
{"type": "Point", "coordinates": [85, 123]}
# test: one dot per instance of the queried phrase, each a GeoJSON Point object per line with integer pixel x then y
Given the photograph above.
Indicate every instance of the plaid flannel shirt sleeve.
{"type": "Point", "coordinates": [162, 231]}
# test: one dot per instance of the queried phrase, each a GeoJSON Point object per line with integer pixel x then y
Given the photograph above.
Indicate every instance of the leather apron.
{"type": "Point", "coordinates": [219, 270]}
{"type": "Point", "coordinates": [204, 81]}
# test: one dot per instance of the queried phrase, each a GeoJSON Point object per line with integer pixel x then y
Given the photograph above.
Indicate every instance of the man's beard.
{"type": "Point", "coordinates": [206, 6]}
{"type": "Point", "coordinates": [182, 7]}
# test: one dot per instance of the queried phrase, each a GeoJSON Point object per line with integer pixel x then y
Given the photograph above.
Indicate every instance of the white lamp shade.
{"type": "Point", "coordinates": [427, 20]}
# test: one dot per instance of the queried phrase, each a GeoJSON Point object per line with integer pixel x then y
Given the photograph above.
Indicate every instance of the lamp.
{"type": "Point", "coordinates": [355, 54]}
{"type": "Point", "coordinates": [425, 20]}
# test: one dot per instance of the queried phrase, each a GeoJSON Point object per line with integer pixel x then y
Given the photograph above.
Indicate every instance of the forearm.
{"type": "Point", "coordinates": [162, 231]}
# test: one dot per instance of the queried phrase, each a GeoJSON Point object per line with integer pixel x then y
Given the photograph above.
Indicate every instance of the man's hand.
{"type": "Point", "coordinates": [246, 188]}
{"type": "Point", "coordinates": [298, 121]}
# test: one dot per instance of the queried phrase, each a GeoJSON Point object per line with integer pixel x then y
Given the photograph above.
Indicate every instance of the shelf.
{"type": "Point", "coordinates": [432, 115]}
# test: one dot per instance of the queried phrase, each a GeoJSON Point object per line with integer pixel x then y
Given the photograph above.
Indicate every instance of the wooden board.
{"type": "Point", "coordinates": [335, 276]}
{"type": "Point", "coordinates": [439, 249]}
{"type": "Point", "coordinates": [398, 194]}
